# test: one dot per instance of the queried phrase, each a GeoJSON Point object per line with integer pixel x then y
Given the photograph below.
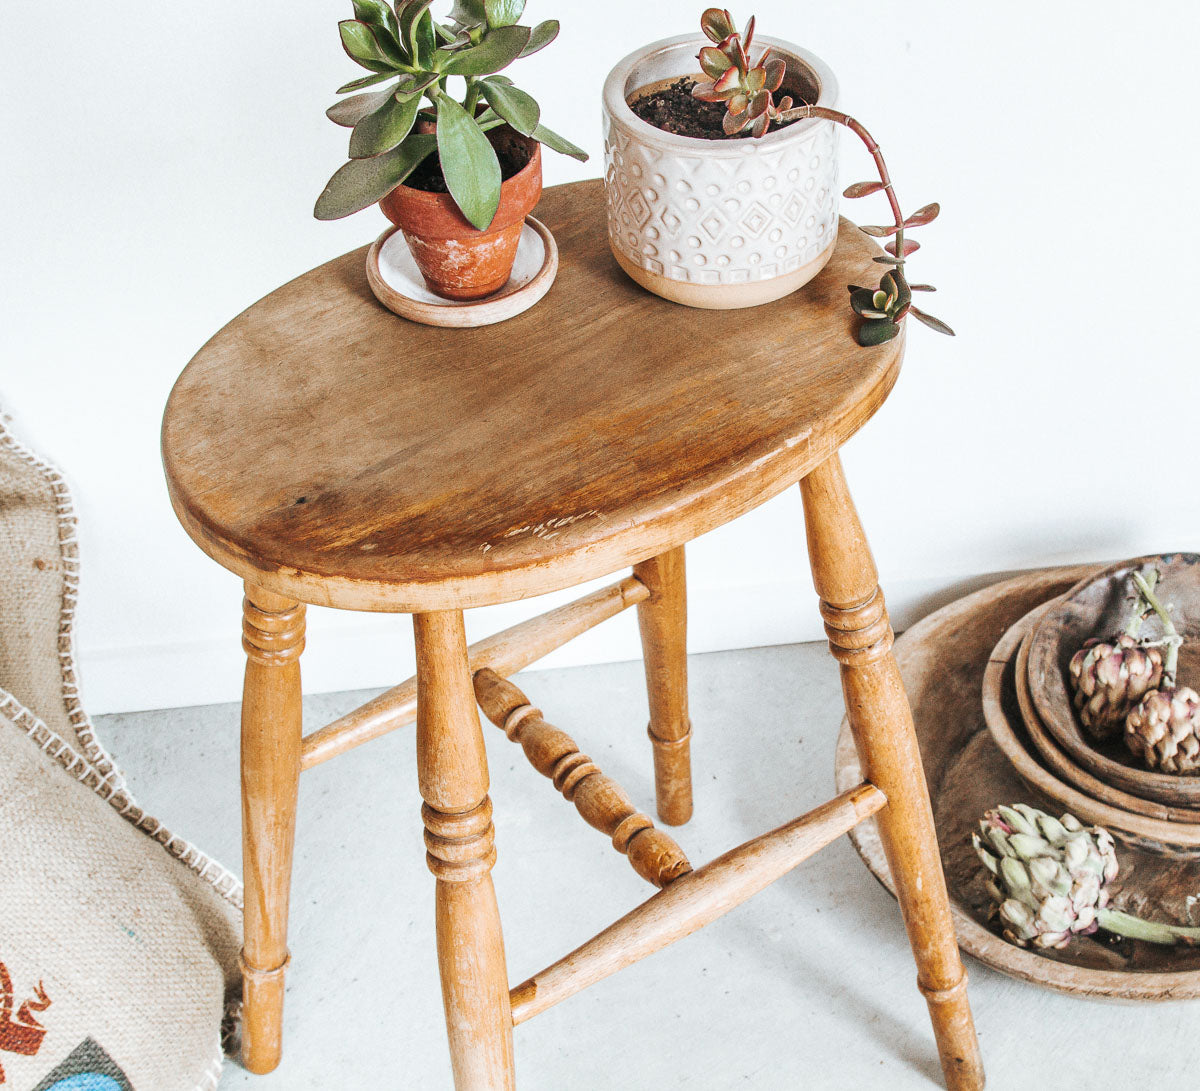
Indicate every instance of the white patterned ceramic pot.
{"type": "Point", "coordinates": [718, 223]}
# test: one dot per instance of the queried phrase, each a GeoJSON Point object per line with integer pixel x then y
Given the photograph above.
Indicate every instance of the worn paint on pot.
{"type": "Point", "coordinates": [718, 223]}
{"type": "Point", "coordinates": [457, 260]}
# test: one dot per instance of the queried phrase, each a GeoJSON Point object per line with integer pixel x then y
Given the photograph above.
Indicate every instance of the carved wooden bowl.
{"type": "Point", "coordinates": [1098, 606]}
{"type": "Point", "coordinates": [943, 660]}
{"type": "Point", "coordinates": [1057, 761]}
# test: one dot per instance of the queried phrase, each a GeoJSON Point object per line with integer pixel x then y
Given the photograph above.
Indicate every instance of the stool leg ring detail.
{"type": "Point", "coordinates": [273, 636]}
{"type": "Point", "coordinates": [460, 839]}
{"type": "Point", "coordinates": [662, 620]}
{"type": "Point", "coordinates": [860, 638]}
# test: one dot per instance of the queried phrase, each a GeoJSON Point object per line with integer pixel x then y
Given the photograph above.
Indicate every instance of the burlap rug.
{"type": "Point", "coordinates": [71, 875]}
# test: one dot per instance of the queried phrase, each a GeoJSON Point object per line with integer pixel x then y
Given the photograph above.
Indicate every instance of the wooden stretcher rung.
{"type": "Point", "coordinates": [505, 652]}
{"type": "Point", "coordinates": [599, 799]}
{"type": "Point", "coordinates": [695, 899]}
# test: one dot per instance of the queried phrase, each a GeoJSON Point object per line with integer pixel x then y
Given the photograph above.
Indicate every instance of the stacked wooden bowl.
{"type": "Point", "coordinates": [1100, 782]}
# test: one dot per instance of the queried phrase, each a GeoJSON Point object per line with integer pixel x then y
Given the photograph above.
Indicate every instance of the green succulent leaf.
{"type": "Point", "coordinates": [758, 104]}
{"type": "Point", "coordinates": [878, 231]}
{"type": "Point", "coordinates": [931, 322]}
{"type": "Point", "coordinates": [416, 31]}
{"type": "Point", "coordinates": [378, 14]}
{"type": "Point", "coordinates": [876, 331]}
{"type": "Point", "coordinates": [365, 81]}
{"type": "Point", "coordinates": [468, 13]}
{"type": "Point", "coordinates": [922, 288]}
{"type": "Point", "coordinates": [350, 111]}
{"type": "Point", "coordinates": [414, 85]}
{"type": "Point", "coordinates": [716, 25]}
{"type": "Point", "coordinates": [362, 182]}
{"type": "Point", "coordinates": [503, 13]}
{"type": "Point", "coordinates": [558, 143]}
{"type": "Point", "coordinates": [499, 48]}
{"type": "Point", "coordinates": [862, 300]}
{"type": "Point", "coordinates": [469, 163]}
{"type": "Point", "coordinates": [361, 44]}
{"type": "Point", "coordinates": [775, 69]}
{"type": "Point", "coordinates": [543, 34]}
{"type": "Point", "coordinates": [713, 62]}
{"type": "Point", "coordinates": [881, 260]}
{"type": "Point", "coordinates": [512, 104]}
{"type": "Point", "coordinates": [386, 127]}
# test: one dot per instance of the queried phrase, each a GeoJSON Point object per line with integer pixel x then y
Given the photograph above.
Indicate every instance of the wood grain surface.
{"type": "Point", "coordinates": [337, 454]}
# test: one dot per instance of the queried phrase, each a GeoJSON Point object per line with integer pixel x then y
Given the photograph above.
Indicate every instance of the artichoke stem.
{"type": "Point", "coordinates": [1123, 924]}
{"type": "Point", "coordinates": [1171, 661]}
{"type": "Point", "coordinates": [1140, 607]}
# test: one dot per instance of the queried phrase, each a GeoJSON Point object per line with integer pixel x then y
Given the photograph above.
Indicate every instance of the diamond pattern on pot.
{"type": "Point", "coordinates": [721, 218]}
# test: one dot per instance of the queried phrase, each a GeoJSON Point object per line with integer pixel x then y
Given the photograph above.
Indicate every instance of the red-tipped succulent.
{"type": "Point", "coordinates": [748, 94]}
{"type": "Point", "coordinates": [747, 91]}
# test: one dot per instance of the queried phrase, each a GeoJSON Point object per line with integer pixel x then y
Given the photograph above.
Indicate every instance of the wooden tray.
{"type": "Point", "coordinates": [943, 659]}
{"type": "Point", "coordinates": [1060, 763]}
{"type": "Point", "coordinates": [1097, 606]}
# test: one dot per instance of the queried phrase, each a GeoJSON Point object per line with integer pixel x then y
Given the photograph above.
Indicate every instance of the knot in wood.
{"type": "Point", "coordinates": [460, 847]}
{"type": "Point", "coordinates": [272, 636]}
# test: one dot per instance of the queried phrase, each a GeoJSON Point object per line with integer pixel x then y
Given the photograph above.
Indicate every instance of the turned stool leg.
{"type": "Point", "coordinates": [452, 769]}
{"type": "Point", "coordinates": [273, 636]}
{"type": "Point", "coordinates": [662, 619]}
{"type": "Point", "coordinates": [860, 638]}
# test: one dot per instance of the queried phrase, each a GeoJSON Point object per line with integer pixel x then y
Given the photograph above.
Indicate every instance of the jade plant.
{"type": "Point", "coordinates": [394, 129]}
{"type": "Point", "coordinates": [747, 90]}
{"type": "Point", "coordinates": [748, 93]}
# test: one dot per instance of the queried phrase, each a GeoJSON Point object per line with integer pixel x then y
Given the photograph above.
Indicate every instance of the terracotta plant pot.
{"type": "Point", "coordinates": [719, 223]}
{"type": "Point", "coordinates": [457, 260]}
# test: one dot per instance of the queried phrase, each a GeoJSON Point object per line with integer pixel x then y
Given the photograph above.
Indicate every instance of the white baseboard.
{"type": "Point", "coordinates": [359, 651]}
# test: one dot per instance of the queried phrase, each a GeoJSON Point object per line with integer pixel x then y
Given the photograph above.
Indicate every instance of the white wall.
{"type": "Point", "coordinates": [159, 168]}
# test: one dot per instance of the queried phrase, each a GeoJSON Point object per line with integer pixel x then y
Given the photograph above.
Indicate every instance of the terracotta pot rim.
{"type": "Point", "coordinates": [421, 210]}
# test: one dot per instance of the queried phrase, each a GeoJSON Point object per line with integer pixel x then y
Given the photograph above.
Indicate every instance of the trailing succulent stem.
{"type": "Point", "coordinates": [748, 93]}
{"type": "Point", "coordinates": [394, 130]}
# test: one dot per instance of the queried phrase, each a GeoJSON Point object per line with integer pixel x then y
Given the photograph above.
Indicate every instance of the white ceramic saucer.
{"type": "Point", "coordinates": [399, 286]}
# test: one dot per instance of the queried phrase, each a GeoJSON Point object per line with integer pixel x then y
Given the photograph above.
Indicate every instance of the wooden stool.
{"type": "Point", "coordinates": [330, 453]}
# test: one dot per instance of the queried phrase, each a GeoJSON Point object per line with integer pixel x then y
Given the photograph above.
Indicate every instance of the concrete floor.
{"type": "Point", "coordinates": [809, 985]}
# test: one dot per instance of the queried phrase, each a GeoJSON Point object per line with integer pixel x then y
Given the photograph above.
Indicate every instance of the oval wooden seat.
{"type": "Point", "coordinates": [336, 454]}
